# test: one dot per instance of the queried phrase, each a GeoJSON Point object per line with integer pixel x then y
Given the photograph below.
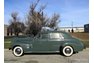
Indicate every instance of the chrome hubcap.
{"type": "Point", "coordinates": [18, 51]}
{"type": "Point", "coordinates": [67, 50]}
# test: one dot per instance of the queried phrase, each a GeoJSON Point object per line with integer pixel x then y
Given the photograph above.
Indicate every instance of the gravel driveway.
{"type": "Point", "coordinates": [81, 57]}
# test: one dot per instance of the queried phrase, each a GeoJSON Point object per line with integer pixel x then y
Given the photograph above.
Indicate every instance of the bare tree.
{"type": "Point", "coordinates": [54, 20]}
{"type": "Point", "coordinates": [36, 19]}
{"type": "Point", "coordinates": [15, 25]}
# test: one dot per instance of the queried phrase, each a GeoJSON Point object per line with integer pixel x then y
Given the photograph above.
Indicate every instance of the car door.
{"type": "Point", "coordinates": [41, 44]}
{"type": "Point", "coordinates": [55, 41]}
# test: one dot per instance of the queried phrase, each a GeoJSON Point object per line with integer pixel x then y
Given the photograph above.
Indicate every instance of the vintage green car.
{"type": "Point", "coordinates": [47, 42]}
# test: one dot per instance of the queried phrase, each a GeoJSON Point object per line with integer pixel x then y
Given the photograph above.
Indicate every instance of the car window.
{"type": "Point", "coordinates": [44, 36]}
{"type": "Point", "coordinates": [56, 35]}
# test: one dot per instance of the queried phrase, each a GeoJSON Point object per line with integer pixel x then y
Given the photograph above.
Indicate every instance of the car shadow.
{"type": "Point", "coordinates": [42, 54]}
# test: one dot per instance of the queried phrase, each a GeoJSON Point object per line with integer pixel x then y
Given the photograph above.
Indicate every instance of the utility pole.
{"type": "Point", "coordinates": [72, 27]}
{"type": "Point", "coordinates": [72, 24]}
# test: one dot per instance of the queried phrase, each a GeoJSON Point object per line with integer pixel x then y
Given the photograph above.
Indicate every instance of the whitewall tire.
{"type": "Point", "coordinates": [67, 51]}
{"type": "Point", "coordinates": [18, 51]}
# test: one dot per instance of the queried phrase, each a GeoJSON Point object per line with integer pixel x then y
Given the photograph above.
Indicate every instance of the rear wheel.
{"type": "Point", "coordinates": [67, 51]}
{"type": "Point", "coordinates": [18, 51]}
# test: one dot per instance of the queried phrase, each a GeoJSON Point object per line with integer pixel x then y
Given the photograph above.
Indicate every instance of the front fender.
{"type": "Point", "coordinates": [26, 47]}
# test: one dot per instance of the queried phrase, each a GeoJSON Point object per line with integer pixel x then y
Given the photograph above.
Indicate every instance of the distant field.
{"type": "Point", "coordinates": [83, 36]}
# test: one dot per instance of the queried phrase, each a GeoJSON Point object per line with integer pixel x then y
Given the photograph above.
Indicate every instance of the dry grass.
{"type": "Point", "coordinates": [83, 36]}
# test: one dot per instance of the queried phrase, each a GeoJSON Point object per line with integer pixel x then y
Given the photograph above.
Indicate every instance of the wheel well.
{"type": "Point", "coordinates": [60, 49]}
{"type": "Point", "coordinates": [15, 46]}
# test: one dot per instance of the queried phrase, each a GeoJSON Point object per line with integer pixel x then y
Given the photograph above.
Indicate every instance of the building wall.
{"type": "Point", "coordinates": [5, 30]}
{"type": "Point", "coordinates": [68, 29]}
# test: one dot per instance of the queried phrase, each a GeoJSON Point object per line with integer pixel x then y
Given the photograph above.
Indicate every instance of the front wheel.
{"type": "Point", "coordinates": [18, 51]}
{"type": "Point", "coordinates": [67, 51]}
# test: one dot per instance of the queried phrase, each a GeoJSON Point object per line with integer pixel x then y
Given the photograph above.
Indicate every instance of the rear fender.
{"type": "Point", "coordinates": [69, 44]}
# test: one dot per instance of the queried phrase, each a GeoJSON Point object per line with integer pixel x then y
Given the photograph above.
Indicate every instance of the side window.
{"type": "Point", "coordinates": [56, 36]}
{"type": "Point", "coordinates": [44, 36]}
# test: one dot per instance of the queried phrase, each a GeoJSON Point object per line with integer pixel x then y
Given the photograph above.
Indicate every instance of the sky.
{"type": "Point", "coordinates": [71, 11]}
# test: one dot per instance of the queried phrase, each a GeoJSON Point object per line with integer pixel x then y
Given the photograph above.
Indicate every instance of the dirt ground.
{"type": "Point", "coordinates": [81, 57]}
